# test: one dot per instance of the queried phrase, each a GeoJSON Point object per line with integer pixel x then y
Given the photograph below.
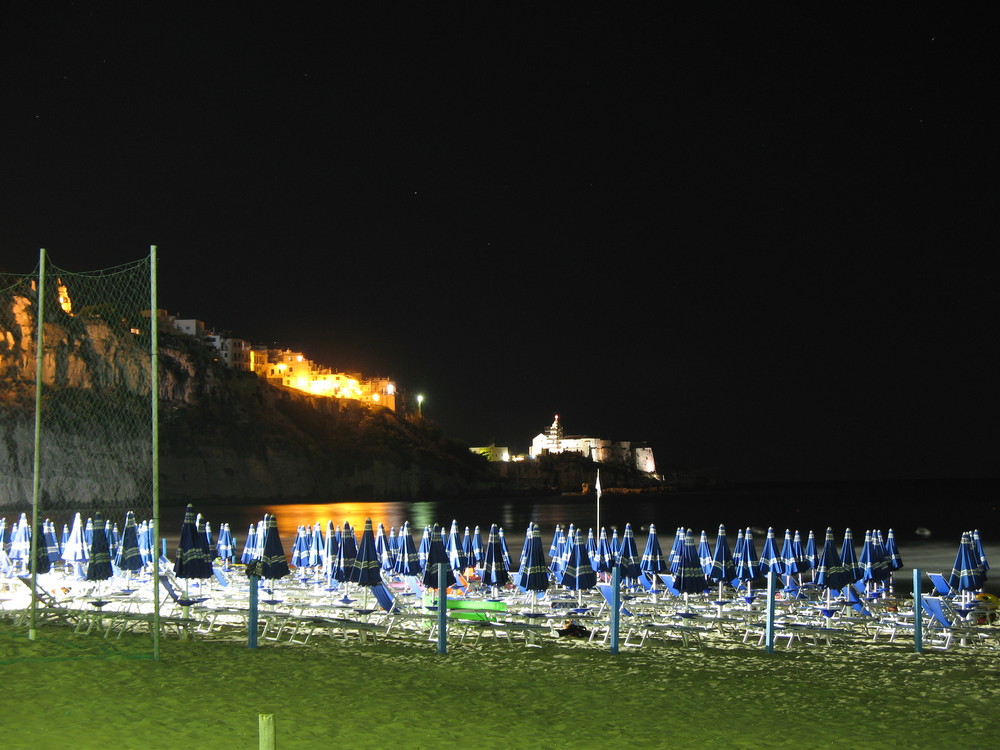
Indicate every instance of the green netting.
{"type": "Point", "coordinates": [78, 429]}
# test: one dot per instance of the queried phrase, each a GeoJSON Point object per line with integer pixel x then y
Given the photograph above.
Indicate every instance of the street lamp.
{"type": "Point", "coordinates": [420, 404]}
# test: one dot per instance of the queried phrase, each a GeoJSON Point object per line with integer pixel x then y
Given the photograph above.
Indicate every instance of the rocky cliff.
{"type": "Point", "coordinates": [223, 434]}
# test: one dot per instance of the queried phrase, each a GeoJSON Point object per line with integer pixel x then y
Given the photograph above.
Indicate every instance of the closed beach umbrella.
{"type": "Point", "coordinates": [383, 548]}
{"type": "Point", "coordinates": [145, 543]}
{"type": "Point", "coordinates": [437, 556]}
{"type": "Point", "coordinates": [456, 555]}
{"type": "Point", "coordinates": [330, 550]}
{"type": "Point", "coordinates": [830, 571]}
{"type": "Point", "coordinates": [747, 568]}
{"type": "Point", "coordinates": [478, 551]}
{"type": "Point", "coordinates": [275, 564]}
{"type": "Point", "coordinates": [689, 578]}
{"type": "Point", "coordinates": [225, 546]}
{"type": "Point", "coordinates": [503, 547]}
{"type": "Point", "coordinates": [346, 554]}
{"type": "Point", "coordinates": [628, 556]}
{"type": "Point", "coordinates": [20, 542]}
{"type": "Point", "coordinates": [811, 555]}
{"type": "Point", "coordinates": [249, 546]}
{"type": "Point", "coordinates": [592, 551]}
{"type": "Point", "coordinates": [367, 570]}
{"type": "Point", "coordinates": [75, 551]}
{"type": "Point", "coordinates": [605, 555]}
{"type": "Point", "coordinates": [705, 554]}
{"type": "Point", "coordinates": [129, 557]}
{"type": "Point", "coordinates": [653, 563]}
{"type": "Point", "coordinates": [770, 558]}
{"type": "Point", "coordinates": [407, 562]}
{"type": "Point", "coordinates": [99, 564]}
{"type": "Point", "coordinates": [495, 572]}
{"type": "Point", "coordinates": [723, 566]}
{"type": "Point", "coordinates": [51, 543]}
{"type": "Point", "coordinates": [534, 575]}
{"type": "Point", "coordinates": [676, 547]}
{"type": "Point", "coordinates": [425, 548]}
{"type": "Point", "coordinates": [579, 574]}
{"type": "Point", "coordinates": [892, 556]}
{"type": "Point", "coordinates": [192, 561]}
{"type": "Point", "coordinates": [791, 563]}
{"type": "Point", "coordinates": [965, 574]}
{"type": "Point", "coordinates": [318, 546]}
{"type": "Point", "coordinates": [977, 546]}
{"type": "Point", "coordinates": [849, 557]}
{"type": "Point", "coordinates": [470, 555]}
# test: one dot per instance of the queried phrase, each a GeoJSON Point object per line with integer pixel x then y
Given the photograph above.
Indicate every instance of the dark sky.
{"type": "Point", "coordinates": [759, 241]}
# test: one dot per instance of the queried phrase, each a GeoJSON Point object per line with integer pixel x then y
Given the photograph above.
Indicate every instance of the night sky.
{"type": "Point", "coordinates": [757, 240]}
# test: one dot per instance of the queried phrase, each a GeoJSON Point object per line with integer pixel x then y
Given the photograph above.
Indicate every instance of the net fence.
{"type": "Point", "coordinates": [77, 458]}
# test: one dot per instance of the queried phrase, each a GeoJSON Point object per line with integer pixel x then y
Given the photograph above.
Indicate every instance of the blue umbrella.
{"type": "Point", "coordinates": [770, 558]}
{"type": "Point", "coordinates": [810, 553]}
{"type": "Point", "coordinates": [503, 547]}
{"type": "Point", "coordinates": [275, 564]}
{"type": "Point", "coordinates": [317, 549]}
{"type": "Point", "coordinates": [425, 548]}
{"type": "Point", "coordinates": [99, 564]}
{"type": "Point", "coordinates": [51, 543]}
{"type": "Point", "coordinates": [191, 561]}
{"type": "Point", "coordinates": [20, 542]}
{"type": "Point", "coordinates": [592, 551]}
{"type": "Point", "coordinates": [478, 552]}
{"type": "Point", "coordinates": [367, 569]}
{"type": "Point", "coordinates": [800, 554]}
{"type": "Point", "coordinates": [605, 555]}
{"type": "Point", "coordinates": [965, 575]}
{"type": "Point", "coordinates": [628, 556]}
{"type": "Point", "coordinates": [250, 546]}
{"type": "Point", "coordinates": [830, 571]}
{"type": "Point", "coordinates": [437, 556]}
{"type": "Point", "coordinates": [977, 545]}
{"type": "Point", "coordinates": [579, 573]}
{"type": "Point", "coordinates": [406, 563]}
{"type": "Point", "coordinates": [723, 565]}
{"type": "Point", "coordinates": [676, 548]}
{"type": "Point", "coordinates": [495, 572]}
{"type": "Point", "coordinates": [129, 558]}
{"type": "Point", "coordinates": [747, 569]}
{"type": "Point", "coordinates": [330, 550]}
{"type": "Point", "coordinates": [791, 563]}
{"type": "Point", "coordinates": [892, 556]}
{"type": "Point", "coordinates": [874, 568]}
{"type": "Point", "coordinates": [225, 547]}
{"type": "Point", "coordinates": [300, 548]}
{"type": "Point", "coordinates": [346, 554]}
{"type": "Point", "coordinates": [145, 543]}
{"type": "Point", "coordinates": [533, 573]}
{"type": "Point", "coordinates": [689, 578]}
{"type": "Point", "coordinates": [556, 552]}
{"type": "Point", "coordinates": [653, 563]}
{"type": "Point", "coordinates": [113, 538]}
{"type": "Point", "coordinates": [849, 557]}
{"type": "Point", "coordinates": [705, 554]}
{"type": "Point", "coordinates": [456, 555]}
{"type": "Point", "coordinates": [382, 551]}
{"type": "Point", "coordinates": [470, 555]}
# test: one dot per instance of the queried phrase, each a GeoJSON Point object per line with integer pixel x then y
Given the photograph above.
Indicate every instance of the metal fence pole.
{"type": "Point", "coordinates": [442, 609]}
{"type": "Point", "coordinates": [769, 622]}
{"type": "Point", "coordinates": [918, 620]}
{"type": "Point", "coordinates": [616, 605]}
{"type": "Point", "coordinates": [36, 477]}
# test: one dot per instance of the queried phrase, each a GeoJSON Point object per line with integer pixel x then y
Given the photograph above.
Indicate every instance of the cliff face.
{"type": "Point", "coordinates": [223, 434]}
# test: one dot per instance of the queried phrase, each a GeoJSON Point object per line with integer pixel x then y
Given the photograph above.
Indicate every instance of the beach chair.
{"type": "Point", "coordinates": [941, 586]}
{"type": "Point", "coordinates": [950, 625]}
{"type": "Point", "coordinates": [396, 612]}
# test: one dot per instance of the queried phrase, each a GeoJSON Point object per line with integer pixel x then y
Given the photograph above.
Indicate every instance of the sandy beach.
{"type": "Point", "coordinates": [65, 690]}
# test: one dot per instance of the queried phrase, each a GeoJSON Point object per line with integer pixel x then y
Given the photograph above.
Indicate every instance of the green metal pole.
{"type": "Point", "coordinates": [154, 404]}
{"type": "Point", "coordinates": [918, 606]}
{"type": "Point", "coordinates": [36, 471]}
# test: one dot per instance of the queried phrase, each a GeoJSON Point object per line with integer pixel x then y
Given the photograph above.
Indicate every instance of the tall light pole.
{"type": "Point", "coordinates": [420, 404]}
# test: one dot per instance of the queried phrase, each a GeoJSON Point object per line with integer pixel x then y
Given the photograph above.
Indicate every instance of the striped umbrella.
{"type": "Point", "coordinates": [367, 570]}
{"type": "Point", "coordinates": [605, 555]}
{"type": "Point", "coordinates": [346, 554]}
{"type": "Point", "coordinates": [99, 564]}
{"type": "Point", "coordinates": [653, 562]}
{"type": "Point", "coordinates": [705, 554]}
{"type": "Point", "coordinates": [747, 567]}
{"type": "Point", "coordinates": [628, 556]}
{"type": "Point", "coordinates": [849, 557]}
{"type": "Point", "coordinates": [192, 560]}
{"type": "Point", "coordinates": [75, 550]}
{"type": "Point", "coordinates": [275, 564]}
{"type": "Point", "coordinates": [534, 576]}
{"type": "Point", "coordinates": [676, 548]}
{"type": "Point", "coordinates": [503, 547]}
{"type": "Point", "coordinates": [51, 543]}
{"type": "Point", "coordinates": [830, 571]}
{"type": "Point", "coordinates": [129, 558]}
{"type": "Point", "coordinates": [723, 565]}
{"type": "Point", "coordinates": [437, 556]}
{"type": "Point", "coordinates": [579, 574]}
{"type": "Point", "coordinates": [250, 546]}
{"type": "Point", "coordinates": [770, 558]}
{"type": "Point", "coordinates": [965, 574]}
{"type": "Point", "coordinates": [689, 578]}
{"type": "Point", "coordinates": [592, 552]}
{"type": "Point", "coordinates": [495, 571]}
{"type": "Point", "coordinates": [225, 547]}
{"type": "Point", "coordinates": [791, 563]}
{"type": "Point", "coordinates": [811, 556]}
{"type": "Point", "coordinates": [406, 563]}
{"type": "Point", "coordinates": [478, 551]}
{"type": "Point", "coordinates": [874, 568]}
{"type": "Point", "coordinates": [425, 548]}
{"type": "Point", "coordinates": [318, 547]}
{"type": "Point", "coordinates": [456, 555]}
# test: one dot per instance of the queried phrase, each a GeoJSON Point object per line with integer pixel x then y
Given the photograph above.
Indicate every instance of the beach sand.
{"type": "Point", "coordinates": [65, 690]}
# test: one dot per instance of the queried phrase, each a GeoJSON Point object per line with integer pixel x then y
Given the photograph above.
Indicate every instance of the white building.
{"type": "Point", "coordinates": [553, 440]}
